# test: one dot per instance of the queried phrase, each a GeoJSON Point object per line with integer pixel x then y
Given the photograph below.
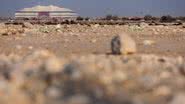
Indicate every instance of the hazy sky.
{"type": "Point", "coordinates": [102, 7]}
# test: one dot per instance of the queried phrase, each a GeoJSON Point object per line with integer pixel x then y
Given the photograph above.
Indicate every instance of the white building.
{"type": "Point", "coordinates": [45, 11]}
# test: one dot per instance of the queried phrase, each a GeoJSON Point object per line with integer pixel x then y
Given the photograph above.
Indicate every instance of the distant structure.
{"type": "Point", "coordinates": [46, 12]}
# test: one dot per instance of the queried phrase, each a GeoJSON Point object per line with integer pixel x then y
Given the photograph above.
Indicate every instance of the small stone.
{"type": "Point", "coordinates": [23, 35]}
{"type": "Point", "coordinates": [30, 47]}
{"type": "Point", "coordinates": [123, 44]}
{"type": "Point", "coordinates": [53, 65]}
{"type": "Point", "coordinates": [174, 30]}
{"type": "Point", "coordinates": [155, 33]}
{"type": "Point", "coordinates": [148, 42]}
{"type": "Point", "coordinates": [2, 24]}
{"type": "Point", "coordinates": [93, 40]}
{"type": "Point", "coordinates": [58, 26]}
{"type": "Point", "coordinates": [143, 25]}
{"type": "Point", "coordinates": [96, 25]}
{"type": "Point", "coordinates": [18, 46]}
{"type": "Point", "coordinates": [27, 25]}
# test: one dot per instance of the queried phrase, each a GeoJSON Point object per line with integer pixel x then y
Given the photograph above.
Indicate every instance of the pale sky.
{"type": "Point", "coordinates": [96, 8]}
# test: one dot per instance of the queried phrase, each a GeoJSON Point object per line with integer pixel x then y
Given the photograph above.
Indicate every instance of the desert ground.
{"type": "Point", "coordinates": [95, 39]}
{"type": "Point", "coordinates": [74, 64]}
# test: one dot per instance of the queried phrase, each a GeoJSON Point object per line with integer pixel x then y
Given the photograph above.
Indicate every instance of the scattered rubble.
{"type": "Point", "coordinates": [41, 77]}
{"type": "Point", "coordinates": [11, 30]}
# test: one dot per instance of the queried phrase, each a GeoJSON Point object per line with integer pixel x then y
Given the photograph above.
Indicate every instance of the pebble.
{"type": "Point", "coordinates": [58, 26]}
{"type": "Point", "coordinates": [23, 35]}
{"type": "Point", "coordinates": [30, 47]}
{"type": "Point", "coordinates": [95, 26]}
{"type": "Point", "coordinates": [18, 46]}
{"type": "Point", "coordinates": [53, 65]}
{"type": "Point", "coordinates": [156, 33]}
{"type": "Point", "coordinates": [93, 40]}
{"type": "Point", "coordinates": [148, 42]}
{"type": "Point", "coordinates": [27, 25]}
{"type": "Point", "coordinates": [143, 25]}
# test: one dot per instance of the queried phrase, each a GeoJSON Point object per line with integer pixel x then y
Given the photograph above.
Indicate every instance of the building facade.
{"type": "Point", "coordinates": [46, 11]}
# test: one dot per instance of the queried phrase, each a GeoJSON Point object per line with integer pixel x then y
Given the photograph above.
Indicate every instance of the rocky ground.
{"type": "Point", "coordinates": [73, 64]}
{"type": "Point", "coordinates": [83, 39]}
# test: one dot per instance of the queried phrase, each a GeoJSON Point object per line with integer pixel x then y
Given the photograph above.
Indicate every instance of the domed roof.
{"type": "Point", "coordinates": [46, 8]}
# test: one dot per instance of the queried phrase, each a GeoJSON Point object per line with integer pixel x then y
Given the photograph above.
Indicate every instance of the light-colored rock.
{"type": "Point", "coordinates": [27, 25]}
{"type": "Point", "coordinates": [53, 65]}
{"type": "Point", "coordinates": [148, 42]}
{"type": "Point", "coordinates": [58, 26]}
{"type": "Point", "coordinates": [3, 32]}
{"type": "Point", "coordinates": [23, 34]}
{"type": "Point", "coordinates": [30, 47]}
{"type": "Point", "coordinates": [183, 25]}
{"type": "Point", "coordinates": [93, 40]}
{"type": "Point", "coordinates": [18, 46]}
{"type": "Point", "coordinates": [95, 26]}
{"type": "Point", "coordinates": [143, 25]}
{"type": "Point", "coordinates": [123, 44]}
{"type": "Point", "coordinates": [2, 25]}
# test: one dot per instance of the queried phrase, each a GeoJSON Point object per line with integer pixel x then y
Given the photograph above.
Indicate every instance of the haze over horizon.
{"type": "Point", "coordinates": [96, 8]}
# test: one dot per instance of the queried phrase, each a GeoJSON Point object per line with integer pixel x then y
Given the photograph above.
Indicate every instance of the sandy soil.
{"type": "Point", "coordinates": [77, 39]}
{"type": "Point", "coordinates": [73, 64]}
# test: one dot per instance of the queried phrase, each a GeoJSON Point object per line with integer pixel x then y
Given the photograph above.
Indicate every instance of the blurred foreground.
{"type": "Point", "coordinates": [43, 78]}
